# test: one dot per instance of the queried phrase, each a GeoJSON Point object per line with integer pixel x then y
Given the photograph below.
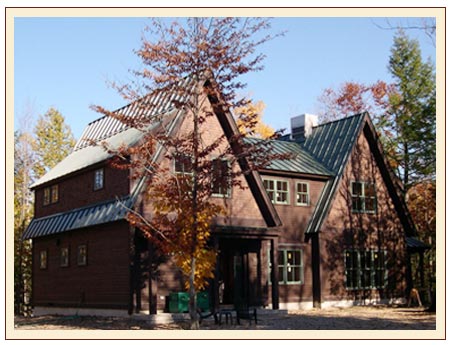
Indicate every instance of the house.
{"type": "Point", "coordinates": [328, 226]}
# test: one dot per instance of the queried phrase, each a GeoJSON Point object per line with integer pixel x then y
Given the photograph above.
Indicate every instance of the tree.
{"type": "Point", "coordinates": [23, 212]}
{"type": "Point", "coordinates": [413, 109]}
{"type": "Point", "coordinates": [249, 121]}
{"type": "Point", "coordinates": [195, 61]}
{"type": "Point", "coordinates": [54, 141]}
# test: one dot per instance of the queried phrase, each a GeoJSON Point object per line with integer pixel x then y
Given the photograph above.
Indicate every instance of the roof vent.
{"type": "Point", "coordinates": [302, 125]}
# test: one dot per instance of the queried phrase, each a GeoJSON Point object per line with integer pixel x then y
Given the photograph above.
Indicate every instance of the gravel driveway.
{"type": "Point", "coordinates": [354, 318]}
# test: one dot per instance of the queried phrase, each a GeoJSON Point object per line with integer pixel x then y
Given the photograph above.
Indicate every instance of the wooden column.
{"type": "Point", "coordinates": [317, 294]}
{"type": "Point", "coordinates": [274, 273]}
{"type": "Point", "coordinates": [214, 303]}
{"type": "Point", "coordinates": [152, 280]}
{"type": "Point", "coordinates": [132, 270]}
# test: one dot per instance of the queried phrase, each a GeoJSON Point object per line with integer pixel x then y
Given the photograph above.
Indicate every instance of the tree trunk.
{"type": "Point", "coordinates": [195, 324]}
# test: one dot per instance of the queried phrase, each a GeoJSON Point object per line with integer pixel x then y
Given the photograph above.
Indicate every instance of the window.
{"type": "Point", "coordinates": [98, 179]}
{"type": "Point", "coordinates": [43, 259]}
{"type": "Point", "coordinates": [46, 196]}
{"type": "Point", "coordinates": [64, 258]}
{"type": "Point", "coordinates": [51, 195]}
{"type": "Point", "coordinates": [277, 190]}
{"type": "Point", "coordinates": [220, 178]}
{"type": "Point", "coordinates": [183, 164]}
{"type": "Point", "coordinates": [363, 197]}
{"type": "Point", "coordinates": [365, 269]}
{"type": "Point", "coordinates": [82, 255]}
{"type": "Point", "coordinates": [290, 266]}
{"type": "Point", "coordinates": [302, 194]}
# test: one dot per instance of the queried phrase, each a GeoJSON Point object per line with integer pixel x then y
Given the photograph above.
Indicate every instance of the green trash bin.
{"type": "Point", "coordinates": [203, 301]}
{"type": "Point", "coordinates": [178, 302]}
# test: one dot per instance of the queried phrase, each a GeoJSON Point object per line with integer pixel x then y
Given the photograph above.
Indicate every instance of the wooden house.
{"type": "Point", "coordinates": [327, 227]}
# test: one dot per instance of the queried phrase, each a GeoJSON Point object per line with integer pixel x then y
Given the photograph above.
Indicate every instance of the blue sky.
{"type": "Point", "coordinates": [66, 62]}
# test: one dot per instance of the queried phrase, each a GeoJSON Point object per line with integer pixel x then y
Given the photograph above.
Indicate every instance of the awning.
{"type": "Point", "coordinates": [101, 213]}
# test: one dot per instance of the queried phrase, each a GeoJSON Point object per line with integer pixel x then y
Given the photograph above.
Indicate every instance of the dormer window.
{"type": "Point", "coordinates": [99, 179]}
{"type": "Point", "coordinates": [51, 195]}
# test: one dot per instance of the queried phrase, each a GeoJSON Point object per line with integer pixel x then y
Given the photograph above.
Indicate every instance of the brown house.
{"type": "Point", "coordinates": [329, 226]}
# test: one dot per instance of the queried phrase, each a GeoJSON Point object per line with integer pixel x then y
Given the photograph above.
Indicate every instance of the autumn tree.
{"type": "Point", "coordinates": [23, 212]}
{"type": "Point", "coordinates": [54, 141]}
{"type": "Point", "coordinates": [191, 63]}
{"type": "Point", "coordinates": [250, 122]}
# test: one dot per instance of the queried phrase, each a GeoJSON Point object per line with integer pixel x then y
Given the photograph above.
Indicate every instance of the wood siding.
{"type": "Point", "coordinates": [346, 229]}
{"type": "Point", "coordinates": [102, 283]}
{"type": "Point", "coordinates": [78, 190]}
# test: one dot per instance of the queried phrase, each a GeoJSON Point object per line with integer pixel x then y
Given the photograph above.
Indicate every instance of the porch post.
{"type": "Point", "coordinates": [215, 283]}
{"type": "Point", "coordinates": [317, 298]}
{"type": "Point", "coordinates": [274, 273]}
{"type": "Point", "coordinates": [152, 282]}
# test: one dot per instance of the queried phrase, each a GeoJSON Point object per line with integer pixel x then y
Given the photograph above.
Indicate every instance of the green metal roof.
{"type": "Point", "coordinates": [105, 212]}
{"type": "Point", "coordinates": [301, 161]}
{"type": "Point", "coordinates": [331, 144]}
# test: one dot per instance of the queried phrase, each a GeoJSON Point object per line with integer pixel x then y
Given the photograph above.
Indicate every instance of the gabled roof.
{"type": "Point", "coordinates": [101, 213]}
{"type": "Point", "coordinates": [331, 144]}
{"type": "Point", "coordinates": [301, 162]}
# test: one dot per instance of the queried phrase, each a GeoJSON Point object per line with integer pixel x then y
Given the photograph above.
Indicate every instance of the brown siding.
{"type": "Point", "coordinates": [346, 229]}
{"type": "Point", "coordinates": [292, 236]}
{"type": "Point", "coordinates": [103, 282]}
{"type": "Point", "coordinates": [78, 190]}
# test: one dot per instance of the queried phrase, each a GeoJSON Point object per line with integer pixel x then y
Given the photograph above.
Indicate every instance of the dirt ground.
{"type": "Point", "coordinates": [354, 318]}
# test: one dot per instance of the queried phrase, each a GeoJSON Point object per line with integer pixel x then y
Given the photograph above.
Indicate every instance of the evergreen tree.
{"type": "Point", "coordinates": [413, 112]}
{"type": "Point", "coordinates": [54, 141]}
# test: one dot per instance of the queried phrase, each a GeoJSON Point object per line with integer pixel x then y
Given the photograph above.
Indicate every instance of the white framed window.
{"type": "Point", "coordinates": [302, 194]}
{"type": "Point", "coordinates": [364, 199]}
{"type": "Point", "coordinates": [290, 266]}
{"type": "Point", "coordinates": [99, 179]}
{"type": "Point", "coordinates": [278, 191]}
{"type": "Point", "coordinates": [221, 178]}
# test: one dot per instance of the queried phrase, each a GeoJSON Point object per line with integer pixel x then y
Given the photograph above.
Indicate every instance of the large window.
{"type": "Point", "coordinates": [302, 193]}
{"type": "Point", "coordinates": [365, 269]}
{"type": "Point", "coordinates": [278, 191]}
{"type": "Point", "coordinates": [99, 178]}
{"type": "Point", "coordinates": [363, 197]}
{"type": "Point", "coordinates": [220, 178]}
{"type": "Point", "coordinates": [51, 195]}
{"type": "Point", "coordinates": [290, 266]}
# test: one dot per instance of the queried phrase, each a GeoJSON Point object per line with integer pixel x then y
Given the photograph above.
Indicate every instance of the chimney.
{"type": "Point", "coordinates": [302, 125]}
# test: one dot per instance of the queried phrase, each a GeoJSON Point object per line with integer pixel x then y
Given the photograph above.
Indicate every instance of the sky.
{"type": "Point", "coordinates": [66, 63]}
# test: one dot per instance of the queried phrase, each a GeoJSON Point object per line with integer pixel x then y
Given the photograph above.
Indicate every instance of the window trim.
{"type": "Point", "coordinates": [363, 197]}
{"type": "Point", "coordinates": [61, 262]}
{"type": "Point", "coordinates": [43, 264]}
{"type": "Point", "coordinates": [85, 261]}
{"type": "Point", "coordinates": [228, 193]}
{"type": "Point", "coordinates": [283, 280]}
{"type": "Point", "coordinates": [95, 179]}
{"type": "Point", "coordinates": [275, 190]}
{"type": "Point", "coordinates": [308, 196]}
{"type": "Point", "coordinates": [372, 270]}
{"type": "Point", "coordinates": [174, 164]}
{"type": "Point", "coordinates": [49, 195]}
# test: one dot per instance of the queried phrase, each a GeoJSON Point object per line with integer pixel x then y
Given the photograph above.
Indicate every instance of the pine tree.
{"type": "Point", "coordinates": [413, 111]}
{"type": "Point", "coordinates": [54, 141]}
